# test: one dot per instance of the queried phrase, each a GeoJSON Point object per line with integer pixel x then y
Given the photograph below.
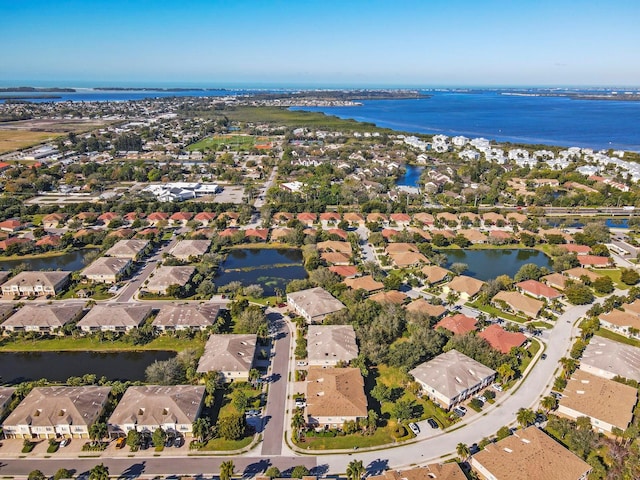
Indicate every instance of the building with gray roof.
{"type": "Point", "coordinates": [314, 304]}
{"type": "Point", "coordinates": [608, 359]}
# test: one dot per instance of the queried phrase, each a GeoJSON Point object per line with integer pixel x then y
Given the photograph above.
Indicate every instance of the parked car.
{"type": "Point", "coordinates": [121, 442]}
{"type": "Point", "coordinates": [432, 423]}
{"type": "Point", "coordinates": [414, 428]}
{"type": "Point", "coordinates": [460, 411]}
{"type": "Point", "coordinates": [497, 387]}
{"type": "Point", "coordinates": [253, 413]}
{"type": "Point", "coordinates": [301, 363]}
{"type": "Point", "coordinates": [482, 398]}
{"type": "Point", "coordinates": [301, 403]}
{"type": "Point", "coordinates": [65, 442]}
{"type": "Point", "coordinates": [178, 441]}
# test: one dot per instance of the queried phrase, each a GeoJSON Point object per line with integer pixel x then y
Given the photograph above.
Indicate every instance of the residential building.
{"type": "Point", "coordinates": [36, 283]}
{"type": "Point", "coordinates": [6, 395]}
{"type": "Point", "coordinates": [579, 272]}
{"type": "Point", "coordinates": [422, 306]}
{"type": "Point", "coordinates": [529, 454]}
{"type": "Point", "coordinates": [452, 377]}
{"type": "Point", "coordinates": [43, 318]}
{"type": "Point", "coordinates": [518, 303]}
{"type": "Point", "coordinates": [314, 304]}
{"type": "Point", "coordinates": [232, 355]}
{"type": "Point", "coordinates": [365, 283]}
{"type": "Point", "coordinates": [466, 287]}
{"type": "Point", "coordinates": [334, 396]}
{"type": "Point", "coordinates": [131, 249]}
{"type": "Point", "coordinates": [114, 317]}
{"type": "Point", "coordinates": [459, 324]}
{"type": "Point", "coordinates": [502, 340]}
{"type": "Point", "coordinates": [608, 359]}
{"type": "Point", "coordinates": [107, 269]}
{"type": "Point", "coordinates": [173, 408]}
{"type": "Point", "coordinates": [163, 277]}
{"type": "Point", "coordinates": [555, 280]}
{"type": "Point", "coordinates": [328, 345]}
{"type": "Point", "coordinates": [434, 274]}
{"type": "Point", "coordinates": [437, 471]}
{"type": "Point", "coordinates": [625, 323]}
{"type": "Point", "coordinates": [392, 296]}
{"type": "Point", "coordinates": [607, 403]}
{"type": "Point", "coordinates": [189, 249]}
{"type": "Point", "coordinates": [538, 290]}
{"type": "Point", "coordinates": [186, 317]}
{"type": "Point", "coordinates": [54, 412]}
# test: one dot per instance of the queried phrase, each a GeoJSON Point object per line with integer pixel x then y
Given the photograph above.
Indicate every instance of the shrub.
{"type": "Point", "coordinates": [399, 431]}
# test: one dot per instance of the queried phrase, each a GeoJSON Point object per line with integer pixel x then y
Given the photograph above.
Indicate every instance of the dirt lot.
{"type": "Point", "coordinates": [27, 133]}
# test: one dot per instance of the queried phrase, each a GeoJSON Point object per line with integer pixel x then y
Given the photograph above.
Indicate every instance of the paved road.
{"type": "Point", "coordinates": [151, 263]}
{"type": "Point", "coordinates": [368, 255]}
{"type": "Point", "coordinates": [274, 414]}
{"type": "Point", "coordinates": [135, 467]}
{"type": "Point", "coordinates": [537, 384]}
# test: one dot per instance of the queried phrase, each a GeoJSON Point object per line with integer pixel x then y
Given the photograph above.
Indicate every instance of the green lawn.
{"type": "Point", "coordinates": [533, 349]}
{"type": "Point", "coordinates": [614, 275]}
{"type": "Point", "coordinates": [540, 324]}
{"type": "Point", "coordinates": [227, 407]}
{"type": "Point", "coordinates": [220, 444]}
{"type": "Point", "coordinates": [347, 442]}
{"type": "Point", "coordinates": [238, 142]}
{"type": "Point", "coordinates": [603, 332]}
{"type": "Point", "coordinates": [394, 378]}
{"type": "Point", "coordinates": [496, 312]}
{"type": "Point", "coordinates": [163, 342]}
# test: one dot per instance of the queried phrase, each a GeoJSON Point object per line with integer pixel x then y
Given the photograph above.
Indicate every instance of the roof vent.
{"type": "Point", "coordinates": [508, 450]}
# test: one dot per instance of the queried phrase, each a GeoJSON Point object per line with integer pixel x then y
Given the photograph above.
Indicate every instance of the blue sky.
{"type": "Point", "coordinates": [321, 43]}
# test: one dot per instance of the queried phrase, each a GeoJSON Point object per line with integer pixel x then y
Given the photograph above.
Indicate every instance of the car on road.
{"type": "Point", "coordinates": [432, 423]}
{"type": "Point", "coordinates": [497, 387]}
{"type": "Point", "coordinates": [414, 428]}
{"type": "Point", "coordinates": [543, 356]}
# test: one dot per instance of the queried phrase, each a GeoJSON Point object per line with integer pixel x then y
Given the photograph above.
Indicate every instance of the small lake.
{"type": "Point", "coordinates": [70, 261]}
{"type": "Point", "coordinates": [488, 264]}
{"type": "Point", "coordinates": [411, 176]}
{"type": "Point", "coordinates": [17, 367]}
{"type": "Point", "coordinates": [270, 268]}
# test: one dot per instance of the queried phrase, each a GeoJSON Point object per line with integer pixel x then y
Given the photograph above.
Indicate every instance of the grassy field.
{"type": "Point", "coordinates": [603, 332]}
{"type": "Point", "coordinates": [497, 312]}
{"type": "Point", "coordinates": [220, 444]}
{"type": "Point", "coordinates": [614, 274]}
{"type": "Point", "coordinates": [347, 442]}
{"type": "Point", "coordinates": [163, 342]}
{"type": "Point", "coordinates": [394, 378]}
{"type": "Point", "coordinates": [11, 140]}
{"type": "Point", "coordinates": [284, 117]}
{"type": "Point", "coordinates": [238, 142]}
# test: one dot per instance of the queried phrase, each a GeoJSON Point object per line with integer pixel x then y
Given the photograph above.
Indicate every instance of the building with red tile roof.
{"type": "Point", "coordinates": [338, 232]}
{"type": "Point", "coordinates": [577, 249]}
{"type": "Point", "coordinates": [459, 324]}
{"type": "Point", "coordinates": [259, 233]}
{"type": "Point", "coordinates": [502, 340]}
{"type": "Point", "coordinates": [345, 271]}
{"type": "Point", "coordinates": [538, 290]}
{"type": "Point", "coordinates": [594, 261]}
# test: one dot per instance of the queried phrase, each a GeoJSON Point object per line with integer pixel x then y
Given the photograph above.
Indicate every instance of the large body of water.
{"type": "Point", "coordinates": [561, 121]}
{"type": "Point", "coordinates": [70, 261]}
{"type": "Point", "coordinates": [270, 268]}
{"type": "Point", "coordinates": [59, 366]}
{"type": "Point", "coordinates": [489, 264]}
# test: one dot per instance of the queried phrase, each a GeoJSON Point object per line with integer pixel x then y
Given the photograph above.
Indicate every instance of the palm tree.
{"type": "Point", "coordinates": [526, 417]}
{"type": "Point", "coordinates": [99, 472]}
{"type": "Point", "coordinates": [226, 470]}
{"type": "Point", "coordinates": [355, 470]}
{"type": "Point", "coordinates": [569, 365]}
{"type": "Point", "coordinates": [97, 431]}
{"type": "Point", "coordinates": [549, 403]}
{"type": "Point", "coordinates": [463, 451]}
{"type": "Point", "coordinates": [297, 422]}
{"type": "Point", "coordinates": [201, 428]}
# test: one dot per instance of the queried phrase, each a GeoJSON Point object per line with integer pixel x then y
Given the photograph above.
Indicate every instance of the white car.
{"type": "Point", "coordinates": [414, 428]}
{"type": "Point", "coordinates": [301, 363]}
{"type": "Point", "coordinates": [301, 404]}
{"type": "Point", "coordinates": [482, 398]}
{"type": "Point", "coordinates": [497, 386]}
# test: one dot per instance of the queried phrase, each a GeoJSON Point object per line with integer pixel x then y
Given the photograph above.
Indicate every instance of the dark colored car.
{"type": "Point", "coordinates": [432, 423]}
